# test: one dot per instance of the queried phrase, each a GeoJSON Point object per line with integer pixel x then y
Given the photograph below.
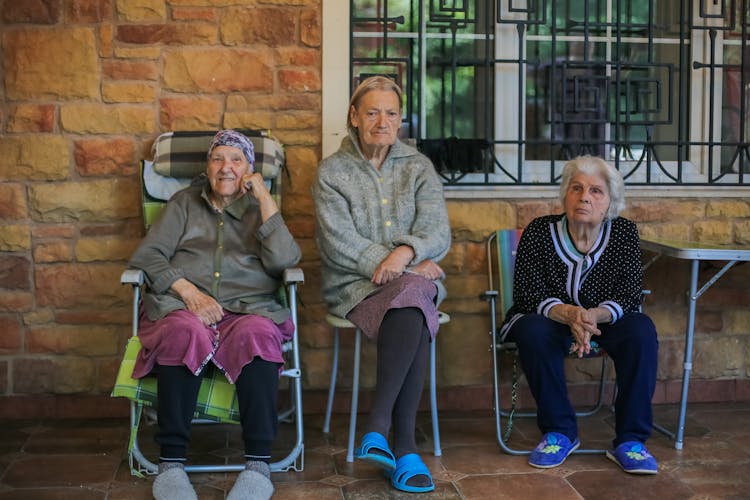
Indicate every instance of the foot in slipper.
{"type": "Point", "coordinates": [375, 450]}
{"type": "Point", "coordinates": [412, 475]}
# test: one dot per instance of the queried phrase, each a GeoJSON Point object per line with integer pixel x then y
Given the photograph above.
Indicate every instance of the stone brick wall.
{"type": "Point", "coordinates": [86, 87]}
{"type": "Point", "coordinates": [721, 355]}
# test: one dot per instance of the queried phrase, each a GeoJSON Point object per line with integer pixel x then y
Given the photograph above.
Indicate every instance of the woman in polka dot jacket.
{"type": "Point", "coordinates": [578, 276]}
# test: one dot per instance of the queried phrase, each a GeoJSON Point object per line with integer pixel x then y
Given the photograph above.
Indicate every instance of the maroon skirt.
{"type": "Point", "coordinates": [408, 290]}
{"type": "Point", "coordinates": [180, 338]}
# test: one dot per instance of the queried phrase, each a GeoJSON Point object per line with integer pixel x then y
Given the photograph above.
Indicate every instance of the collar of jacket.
{"type": "Point", "coordinates": [350, 144]}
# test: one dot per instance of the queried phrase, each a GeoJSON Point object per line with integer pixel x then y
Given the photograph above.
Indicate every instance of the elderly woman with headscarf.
{"type": "Point", "coordinates": [382, 227]}
{"type": "Point", "coordinates": [213, 263]}
{"type": "Point", "coordinates": [577, 278]}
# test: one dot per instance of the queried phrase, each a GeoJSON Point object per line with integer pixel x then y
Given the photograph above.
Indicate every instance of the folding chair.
{"type": "Point", "coordinates": [178, 157]}
{"type": "Point", "coordinates": [501, 257]}
{"type": "Point", "coordinates": [338, 323]}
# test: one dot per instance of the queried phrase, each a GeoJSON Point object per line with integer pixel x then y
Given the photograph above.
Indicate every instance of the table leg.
{"type": "Point", "coordinates": [688, 365]}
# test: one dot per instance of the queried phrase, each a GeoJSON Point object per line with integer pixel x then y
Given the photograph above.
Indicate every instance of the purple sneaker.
{"type": "Point", "coordinates": [634, 458]}
{"type": "Point", "coordinates": [552, 450]}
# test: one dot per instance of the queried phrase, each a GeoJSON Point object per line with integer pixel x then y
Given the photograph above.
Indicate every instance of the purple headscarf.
{"type": "Point", "coordinates": [236, 140]}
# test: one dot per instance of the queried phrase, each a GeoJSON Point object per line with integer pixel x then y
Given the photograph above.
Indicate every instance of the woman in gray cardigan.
{"type": "Point", "coordinates": [382, 228]}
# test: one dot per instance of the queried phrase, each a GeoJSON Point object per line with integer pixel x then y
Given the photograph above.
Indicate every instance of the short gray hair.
{"type": "Point", "coordinates": [376, 82]}
{"type": "Point", "coordinates": [593, 165]}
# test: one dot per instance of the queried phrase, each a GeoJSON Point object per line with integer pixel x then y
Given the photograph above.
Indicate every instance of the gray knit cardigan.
{"type": "Point", "coordinates": [363, 214]}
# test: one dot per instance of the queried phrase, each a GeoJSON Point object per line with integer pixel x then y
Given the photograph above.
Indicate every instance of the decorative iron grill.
{"type": "Point", "coordinates": [503, 92]}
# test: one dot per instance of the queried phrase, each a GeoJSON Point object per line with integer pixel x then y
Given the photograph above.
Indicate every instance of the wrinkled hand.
{"type": "Point", "coordinates": [582, 323]}
{"type": "Point", "coordinates": [204, 306]}
{"type": "Point", "coordinates": [393, 266]}
{"type": "Point", "coordinates": [254, 184]}
{"type": "Point", "coordinates": [429, 270]}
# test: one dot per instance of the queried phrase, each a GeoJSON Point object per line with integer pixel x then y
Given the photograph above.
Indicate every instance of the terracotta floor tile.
{"type": "Point", "coordinates": [306, 491]}
{"type": "Point", "coordinates": [614, 484]}
{"type": "Point", "coordinates": [86, 459]}
{"type": "Point", "coordinates": [515, 486]}
{"type": "Point", "coordinates": [56, 494]}
{"type": "Point", "coordinates": [318, 466]}
{"type": "Point", "coordinates": [481, 459]}
{"type": "Point", "coordinates": [60, 470]}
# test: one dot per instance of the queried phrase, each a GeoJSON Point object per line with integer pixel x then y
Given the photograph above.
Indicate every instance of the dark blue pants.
{"type": "Point", "coordinates": [631, 343]}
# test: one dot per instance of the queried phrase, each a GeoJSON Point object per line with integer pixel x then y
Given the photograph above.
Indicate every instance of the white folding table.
{"type": "Point", "coordinates": [695, 252]}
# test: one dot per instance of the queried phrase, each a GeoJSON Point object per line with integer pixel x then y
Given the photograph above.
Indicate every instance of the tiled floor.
{"type": "Point", "coordinates": [86, 459]}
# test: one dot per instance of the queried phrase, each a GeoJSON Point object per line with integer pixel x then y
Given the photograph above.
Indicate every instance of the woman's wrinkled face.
{"type": "Point", "coordinates": [587, 199]}
{"type": "Point", "coordinates": [377, 117]}
{"type": "Point", "coordinates": [226, 167]}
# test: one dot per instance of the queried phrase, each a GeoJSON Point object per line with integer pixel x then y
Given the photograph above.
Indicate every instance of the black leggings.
{"type": "Point", "coordinates": [257, 395]}
{"type": "Point", "coordinates": [403, 342]}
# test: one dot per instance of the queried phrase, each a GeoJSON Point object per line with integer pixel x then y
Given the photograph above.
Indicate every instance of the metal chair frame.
{"type": "Point", "coordinates": [295, 459]}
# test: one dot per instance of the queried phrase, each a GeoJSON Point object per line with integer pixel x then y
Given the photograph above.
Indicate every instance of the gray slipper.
{"type": "Point", "coordinates": [173, 484]}
{"type": "Point", "coordinates": [251, 485]}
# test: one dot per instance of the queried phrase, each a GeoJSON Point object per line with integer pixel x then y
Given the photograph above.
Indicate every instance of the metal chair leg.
{"type": "Point", "coordinates": [355, 397]}
{"type": "Point", "coordinates": [332, 385]}
{"type": "Point", "coordinates": [433, 402]}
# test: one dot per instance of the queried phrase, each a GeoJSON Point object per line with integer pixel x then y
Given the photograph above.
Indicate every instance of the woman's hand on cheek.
{"type": "Point", "coordinates": [246, 186]}
{"type": "Point", "coordinates": [254, 184]}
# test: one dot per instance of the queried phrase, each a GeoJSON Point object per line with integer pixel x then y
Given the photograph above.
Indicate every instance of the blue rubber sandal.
{"type": "Point", "coordinates": [407, 467]}
{"type": "Point", "coordinates": [375, 450]}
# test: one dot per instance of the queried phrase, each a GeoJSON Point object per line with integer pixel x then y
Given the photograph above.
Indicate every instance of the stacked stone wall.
{"type": "Point", "coordinates": [87, 85]}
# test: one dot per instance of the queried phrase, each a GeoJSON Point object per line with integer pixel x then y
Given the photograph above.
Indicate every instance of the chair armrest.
{"type": "Point", "coordinates": [132, 277]}
{"type": "Point", "coordinates": [293, 275]}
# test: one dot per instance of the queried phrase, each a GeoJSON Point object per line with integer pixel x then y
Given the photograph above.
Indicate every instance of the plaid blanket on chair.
{"type": "Point", "coordinates": [183, 154]}
{"type": "Point", "coordinates": [217, 399]}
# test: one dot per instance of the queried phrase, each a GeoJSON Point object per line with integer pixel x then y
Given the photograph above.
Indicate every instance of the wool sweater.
{"type": "Point", "coordinates": [231, 255]}
{"type": "Point", "coordinates": [363, 214]}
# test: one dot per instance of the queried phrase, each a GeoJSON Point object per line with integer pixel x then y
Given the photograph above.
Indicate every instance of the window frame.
{"type": "Point", "coordinates": [335, 91]}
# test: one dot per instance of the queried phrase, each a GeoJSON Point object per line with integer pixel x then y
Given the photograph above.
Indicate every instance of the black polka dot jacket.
{"type": "Point", "coordinates": [549, 272]}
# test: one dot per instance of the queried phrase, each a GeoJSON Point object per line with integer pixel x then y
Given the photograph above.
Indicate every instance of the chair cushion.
{"type": "Point", "coordinates": [183, 154]}
{"type": "Point", "coordinates": [217, 399]}
{"type": "Point", "coordinates": [161, 187]}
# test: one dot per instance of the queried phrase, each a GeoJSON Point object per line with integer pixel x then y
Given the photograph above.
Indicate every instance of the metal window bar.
{"type": "Point", "coordinates": [626, 95]}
